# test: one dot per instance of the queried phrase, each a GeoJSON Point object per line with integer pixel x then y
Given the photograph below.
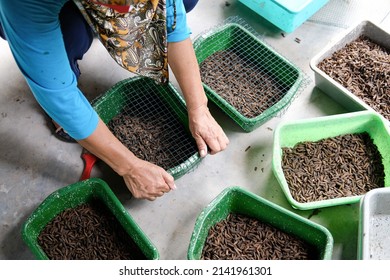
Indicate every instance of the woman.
{"type": "Point", "coordinates": [47, 38]}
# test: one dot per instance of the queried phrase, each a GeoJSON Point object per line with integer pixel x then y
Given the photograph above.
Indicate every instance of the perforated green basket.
{"type": "Point", "coordinates": [74, 195]}
{"type": "Point", "coordinates": [233, 36]}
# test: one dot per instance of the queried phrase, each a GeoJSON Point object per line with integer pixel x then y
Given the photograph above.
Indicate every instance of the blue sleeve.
{"type": "Point", "coordinates": [34, 35]}
{"type": "Point", "coordinates": [182, 31]}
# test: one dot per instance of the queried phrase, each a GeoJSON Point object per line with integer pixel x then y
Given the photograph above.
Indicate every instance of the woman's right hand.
{"type": "Point", "coordinates": [146, 180]}
{"type": "Point", "coordinates": [143, 179]}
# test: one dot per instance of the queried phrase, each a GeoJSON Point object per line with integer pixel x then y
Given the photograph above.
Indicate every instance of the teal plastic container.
{"type": "Point", "coordinates": [240, 201]}
{"type": "Point", "coordinates": [288, 134]}
{"type": "Point", "coordinates": [287, 15]}
{"type": "Point", "coordinates": [74, 195]}
{"type": "Point", "coordinates": [249, 47]}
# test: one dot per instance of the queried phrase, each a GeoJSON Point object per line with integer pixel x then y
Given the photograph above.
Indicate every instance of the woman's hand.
{"type": "Point", "coordinates": [148, 181]}
{"type": "Point", "coordinates": [206, 131]}
{"type": "Point", "coordinates": [143, 179]}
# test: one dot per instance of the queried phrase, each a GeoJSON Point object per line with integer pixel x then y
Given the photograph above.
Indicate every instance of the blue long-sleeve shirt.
{"type": "Point", "coordinates": [32, 29]}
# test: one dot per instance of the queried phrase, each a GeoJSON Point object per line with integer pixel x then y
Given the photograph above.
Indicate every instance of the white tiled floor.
{"type": "Point", "coordinates": [33, 163]}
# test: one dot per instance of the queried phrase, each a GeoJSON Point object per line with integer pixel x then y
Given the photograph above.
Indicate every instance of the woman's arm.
{"type": "Point", "coordinates": [34, 35]}
{"type": "Point", "coordinates": [204, 128]}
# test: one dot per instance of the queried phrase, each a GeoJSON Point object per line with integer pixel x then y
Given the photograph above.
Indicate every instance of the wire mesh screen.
{"type": "Point", "coordinates": [151, 121]}
{"type": "Point", "coordinates": [244, 76]}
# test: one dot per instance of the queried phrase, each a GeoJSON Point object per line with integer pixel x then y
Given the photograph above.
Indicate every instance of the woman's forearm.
{"type": "Point", "coordinates": [184, 65]}
{"type": "Point", "coordinates": [103, 144]}
{"type": "Point", "coordinates": [207, 133]}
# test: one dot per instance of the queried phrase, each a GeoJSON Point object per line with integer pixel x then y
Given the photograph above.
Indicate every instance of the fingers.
{"type": "Point", "coordinates": [156, 195]}
{"type": "Point", "coordinates": [212, 144]}
{"type": "Point", "coordinates": [149, 181]}
{"type": "Point", "coordinates": [219, 144]}
{"type": "Point", "coordinates": [209, 136]}
{"type": "Point", "coordinates": [167, 185]}
{"type": "Point", "coordinates": [169, 180]}
{"type": "Point", "coordinates": [202, 146]}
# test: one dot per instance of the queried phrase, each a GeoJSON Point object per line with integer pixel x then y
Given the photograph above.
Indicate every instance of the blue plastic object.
{"type": "Point", "coordinates": [287, 15]}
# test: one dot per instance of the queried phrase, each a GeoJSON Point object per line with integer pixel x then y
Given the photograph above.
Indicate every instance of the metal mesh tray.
{"type": "Point", "coordinates": [255, 83]}
{"type": "Point", "coordinates": [157, 108]}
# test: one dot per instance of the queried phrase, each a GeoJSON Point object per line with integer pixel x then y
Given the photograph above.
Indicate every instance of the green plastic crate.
{"type": "Point", "coordinates": [233, 35]}
{"type": "Point", "coordinates": [112, 103]}
{"type": "Point", "coordinates": [237, 200]}
{"type": "Point", "coordinates": [288, 134]}
{"type": "Point", "coordinates": [72, 196]}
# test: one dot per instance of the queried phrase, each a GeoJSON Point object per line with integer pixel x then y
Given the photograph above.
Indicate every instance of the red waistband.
{"type": "Point", "coordinates": [118, 8]}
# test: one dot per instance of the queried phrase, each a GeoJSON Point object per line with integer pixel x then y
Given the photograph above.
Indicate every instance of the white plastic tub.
{"type": "Point", "coordinates": [334, 89]}
{"type": "Point", "coordinates": [374, 226]}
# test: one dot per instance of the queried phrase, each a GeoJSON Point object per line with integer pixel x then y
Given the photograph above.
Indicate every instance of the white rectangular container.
{"type": "Point", "coordinates": [334, 89]}
{"type": "Point", "coordinates": [374, 226]}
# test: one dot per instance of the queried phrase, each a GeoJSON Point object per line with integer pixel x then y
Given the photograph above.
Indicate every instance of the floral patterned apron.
{"type": "Point", "coordinates": [133, 32]}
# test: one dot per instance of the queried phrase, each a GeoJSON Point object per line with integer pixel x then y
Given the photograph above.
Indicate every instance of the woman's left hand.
{"type": "Point", "coordinates": [207, 133]}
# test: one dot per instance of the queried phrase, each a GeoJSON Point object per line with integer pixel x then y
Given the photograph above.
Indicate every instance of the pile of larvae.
{"type": "Point", "coordinates": [87, 232]}
{"type": "Point", "coordinates": [153, 133]}
{"type": "Point", "coordinates": [363, 67]}
{"type": "Point", "coordinates": [246, 86]}
{"type": "Point", "coordinates": [240, 237]}
{"type": "Point", "coordinates": [341, 166]}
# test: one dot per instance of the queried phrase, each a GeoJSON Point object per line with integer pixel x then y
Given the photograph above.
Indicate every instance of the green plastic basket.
{"type": "Point", "coordinates": [72, 196]}
{"type": "Point", "coordinates": [247, 45]}
{"type": "Point", "coordinates": [113, 102]}
{"type": "Point", "coordinates": [288, 134]}
{"type": "Point", "coordinates": [237, 200]}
